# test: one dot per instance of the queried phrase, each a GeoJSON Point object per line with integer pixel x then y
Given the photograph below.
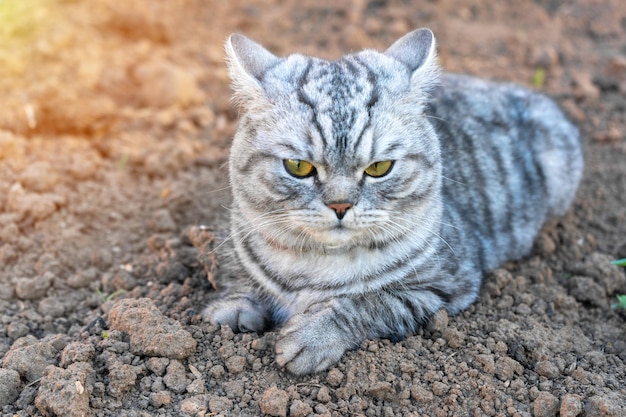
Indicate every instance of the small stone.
{"type": "Point", "coordinates": [571, 406]}
{"type": "Point", "coordinates": [162, 222]}
{"type": "Point", "coordinates": [454, 338]}
{"type": "Point", "coordinates": [30, 357]}
{"type": "Point", "coordinates": [421, 394]}
{"type": "Point", "coordinates": [219, 404]}
{"type": "Point", "coordinates": [51, 306]}
{"type": "Point", "coordinates": [334, 377]}
{"type": "Point", "coordinates": [151, 333]}
{"type": "Point", "coordinates": [299, 409]}
{"type": "Point", "coordinates": [545, 405]}
{"type": "Point", "coordinates": [234, 389]}
{"type": "Point", "coordinates": [608, 405]}
{"type": "Point", "coordinates": [160, 399]}
{"type": "Point", "coordinates": [217, 371]}
{"type": "Point", "coordinates": [197, 386]}
{"type": "Point", "coordinates": [440, 389]}
{"type": "Point", "coordinates": [584, 87]}
{"type": "Point", "coordinates": [323, 395]}
{"type": "Point", "coordinates": [196, 405]}
{"type": "Point", "coordinates": [547, 369]}
{"type": "Point", "coordinates": [439, 321]}
{"type": "Point", "coordinates": [122, 378]}
{"type": "Point", "coordinates": [39, 177]}
{"type": "Point", "coordinates": [158, 365]}
{"type": "Point", "coordinates": [507, 367]}
{"type": "Point", "coordinates": [65, 392]}
{"type": "Point", "coordinates": [9, 386]}
{"type": "Point", "coordinates": [17, 329]}
{"type": "Point", "coordinates": [235, 364]}
{"type": "Point", "coordinates": [274, 402]}
{"type": "Point", "coordinates": [77, 352]}
{"type": "Point", "coordinates": [612, 134]}
{"type": "Point", "coordinates": [585, 290]}
{"type": "Point", "coordinates": [176, 377]}
{"type": "Point", "coordinates": [33, 288]}
{"type": "Point", "coordinates": [379, 390]}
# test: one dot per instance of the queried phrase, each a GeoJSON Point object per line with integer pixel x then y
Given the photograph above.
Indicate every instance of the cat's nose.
{"type": "Point", "coordinates": [340, 208]}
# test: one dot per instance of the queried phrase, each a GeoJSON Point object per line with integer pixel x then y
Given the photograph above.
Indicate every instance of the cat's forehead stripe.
{"type": "Point", "coordinates": [338, 92]}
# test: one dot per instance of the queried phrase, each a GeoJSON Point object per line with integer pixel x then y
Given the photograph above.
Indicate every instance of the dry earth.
{"type": "Point", "coordinates": [114, 129]}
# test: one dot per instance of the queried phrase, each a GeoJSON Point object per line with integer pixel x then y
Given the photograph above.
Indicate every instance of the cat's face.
{"type": "Point", "coordinates": [335, 154]}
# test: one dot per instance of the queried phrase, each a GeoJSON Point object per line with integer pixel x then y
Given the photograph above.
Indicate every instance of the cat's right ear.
{"type": "Point", "coordinates": [417, 50]}
{"type": "Point", "coordinates": [247, 62]}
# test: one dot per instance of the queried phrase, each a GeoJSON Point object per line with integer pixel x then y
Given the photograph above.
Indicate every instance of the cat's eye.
{"type": "Point", "coordinates": [379, 169]}
{"type": "Point", "coordinates": [299, 168]}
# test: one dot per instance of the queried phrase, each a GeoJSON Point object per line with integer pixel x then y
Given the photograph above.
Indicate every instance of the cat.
{"type": "Point", "coordinates": [372, 191]}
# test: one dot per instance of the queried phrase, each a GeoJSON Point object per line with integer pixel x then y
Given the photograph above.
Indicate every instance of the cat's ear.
{"type": "Point", "coordinates": [247, 62]}
{"type": "Point", "coordinates": [418, 51]}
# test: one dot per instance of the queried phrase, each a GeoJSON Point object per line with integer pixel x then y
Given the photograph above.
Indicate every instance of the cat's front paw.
{"type": "Point", "coordinates": [311, 343]}
{"type": "Point", "coordinates": [242, 314]}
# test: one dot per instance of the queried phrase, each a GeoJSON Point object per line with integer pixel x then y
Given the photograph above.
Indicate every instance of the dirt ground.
{"type": "Point", "coordinates": [115, 125]}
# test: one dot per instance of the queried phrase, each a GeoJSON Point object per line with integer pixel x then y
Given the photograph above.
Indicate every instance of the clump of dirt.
{"type": "Point", "coordinates": [114, 135]}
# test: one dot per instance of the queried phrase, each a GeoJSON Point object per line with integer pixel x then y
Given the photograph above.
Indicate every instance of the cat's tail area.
{"type": "Point", "coordinates": [560, 156]}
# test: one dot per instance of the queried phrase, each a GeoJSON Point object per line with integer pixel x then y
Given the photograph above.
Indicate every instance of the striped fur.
{"type": "Point", "coordinates": [477, 169]}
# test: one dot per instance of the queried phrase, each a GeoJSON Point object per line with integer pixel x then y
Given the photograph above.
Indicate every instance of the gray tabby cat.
{"type": "Point", "coordinates": [371, 191]}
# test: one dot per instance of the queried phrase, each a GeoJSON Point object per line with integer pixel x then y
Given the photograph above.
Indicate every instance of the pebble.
{"type": "Point", "coordinates": [39, 177]}
{"type": "Point", "coordinates": [151, 333]}
{"type": "Point", "coordinates": [547, 369]}
{"type": "Point", "coordinates": [160, 399]}
{"type": "Point", "coordinates": [51, 306]}
{"type": "Point", "coordinates": [421, 394]}
{"type": "Point", "coordinates": [439, 321]}
{"type": "Point", "coordinates": [608, 405]}
{"type": "Point", "coordinates": [507, 367]}
{"type": "Point", "coordinates": [65, 392]}
{"type": "Point", "coordinates": [379, 390]}
{"type": "Point", "coordinates": [176, 377]}
{"type": "Point", "coordinates": [9, 386]}
{"type": "Point", "coordinates": [157, 365]}
{"type": "Point", "coordinates": [299, 409]}
{"type": "Point", "coordinates": [77, 352]}
{"type": "Point", "coordinates": [236, 364]}
{"type": "Point", "coordinates": [17, 329]}
{"type": "Point", "coordinates": [197, 386]}
{"type": "Point", "coordinates": [323, 395]}
{"type": "Point", "coordinates": [33, 288]}
{"type": "Point", "coordinates": [122, 377]}
{"type": "Point", "coordinates": [30, 357]}
{"type": "Point", "coordinates": [196, 405]}
{"type": "Point", "coordinates": [571, 406]}
{"type": "Point", "coordinates": [274, 402]}
{"type": "Point", "coordinates": [545, 405]}
{"type": "Point", "coordinates": [218, 404]}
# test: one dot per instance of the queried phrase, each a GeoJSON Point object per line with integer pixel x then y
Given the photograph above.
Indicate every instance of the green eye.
{"type": "Point", "coordinates": [299, 168]}
{"type": "Point", "coordinates": [379, 169]}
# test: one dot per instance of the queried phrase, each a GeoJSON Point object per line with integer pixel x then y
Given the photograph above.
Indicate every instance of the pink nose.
{"type": "Point", "coordinates": [340, 209]}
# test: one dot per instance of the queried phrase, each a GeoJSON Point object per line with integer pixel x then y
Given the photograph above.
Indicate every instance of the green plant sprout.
{"type": "Point", "coordinates": [621, 299]}
{"type": "Point", "coordinates": [104, 298]}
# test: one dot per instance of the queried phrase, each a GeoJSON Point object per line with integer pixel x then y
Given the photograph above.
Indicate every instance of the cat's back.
{"type": "Point", "coordinates": [511, 159]}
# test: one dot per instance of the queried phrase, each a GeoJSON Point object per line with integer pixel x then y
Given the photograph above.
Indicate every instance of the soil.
{"type": "Point", "coordinates": [114, 133]}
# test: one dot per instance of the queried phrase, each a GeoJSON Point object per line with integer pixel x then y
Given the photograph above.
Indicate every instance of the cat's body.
{"type": "Point", "coordinates": [370, 192]}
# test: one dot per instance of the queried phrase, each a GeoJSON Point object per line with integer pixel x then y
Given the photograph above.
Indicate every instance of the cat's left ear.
{"type": "Point", "coordinates": [418, 51]}
{"type": "Point", "coordinates": [247, 62]}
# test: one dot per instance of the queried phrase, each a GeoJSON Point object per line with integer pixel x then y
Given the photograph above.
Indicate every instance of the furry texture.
{"type": "Point", "coordinates": [476, 169]}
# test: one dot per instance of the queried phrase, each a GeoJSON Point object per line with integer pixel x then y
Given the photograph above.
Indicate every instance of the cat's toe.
{"type": "Point", "coordinates": [305, 348]}
{"type": "Point", "coordinates": [241, 314]}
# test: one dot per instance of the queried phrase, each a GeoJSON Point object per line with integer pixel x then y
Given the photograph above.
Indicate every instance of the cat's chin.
{"type": "Point", "coordinates": [338, 239]}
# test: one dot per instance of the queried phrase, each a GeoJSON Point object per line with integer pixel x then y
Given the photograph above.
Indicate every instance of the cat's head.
{"type": "Point", "coordinates": [335, 153]}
